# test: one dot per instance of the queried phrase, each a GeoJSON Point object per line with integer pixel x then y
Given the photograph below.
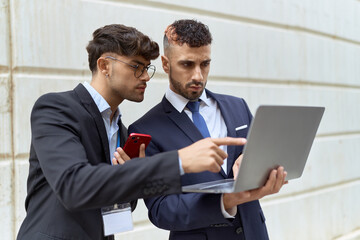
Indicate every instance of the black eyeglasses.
{"type": "Point", "coordinates": [138, 71]}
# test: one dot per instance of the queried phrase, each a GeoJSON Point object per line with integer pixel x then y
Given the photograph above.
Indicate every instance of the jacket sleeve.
{"type": "Point", "coordinates": [58, 141]}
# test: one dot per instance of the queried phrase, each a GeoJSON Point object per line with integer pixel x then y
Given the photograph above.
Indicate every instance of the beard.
{"type": "Point", "coordinates": [125, 93]}
{"type": "Point", "coordinates": [179, 89]}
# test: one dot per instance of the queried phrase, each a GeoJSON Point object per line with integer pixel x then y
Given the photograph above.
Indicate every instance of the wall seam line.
{"type": "Point", "coordinates": [11, 101]}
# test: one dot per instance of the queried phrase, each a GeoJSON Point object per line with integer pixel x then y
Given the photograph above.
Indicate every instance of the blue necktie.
{"type": "Point", "coordinates": [198, 119]}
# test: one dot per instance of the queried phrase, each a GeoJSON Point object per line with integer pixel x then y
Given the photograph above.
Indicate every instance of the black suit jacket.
{"type": "Point", "coordinates": [70, 176]}
{"type": "Point", "coordinates": [195, 215]}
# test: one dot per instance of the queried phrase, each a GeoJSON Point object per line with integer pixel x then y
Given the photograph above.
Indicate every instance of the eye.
{"type": "Point", "coordinates": [187, 64]}
{"type": "Point", "coordinates": [205, 64]}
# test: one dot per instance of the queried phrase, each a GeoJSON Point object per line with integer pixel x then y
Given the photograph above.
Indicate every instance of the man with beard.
{"type": "Point", "coordinates": [174, 123]}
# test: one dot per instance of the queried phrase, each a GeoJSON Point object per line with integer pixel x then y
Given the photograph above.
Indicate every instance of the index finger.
{"type": "Point", "coordinates": [122, 154]}
{"type": "Point", "coordinates": [229, 141]}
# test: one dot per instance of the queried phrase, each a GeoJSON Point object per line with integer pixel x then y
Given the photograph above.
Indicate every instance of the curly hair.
{"type": "Point", "coordinates": [122, 40]}
{"type": "Point", "coordinates": [191, 32]}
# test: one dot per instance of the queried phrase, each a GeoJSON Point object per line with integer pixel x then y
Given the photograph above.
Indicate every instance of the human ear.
{"type": "Point", "coordinates": [103, 66]}
{"type": "Point", "coordinates": [165, 64]}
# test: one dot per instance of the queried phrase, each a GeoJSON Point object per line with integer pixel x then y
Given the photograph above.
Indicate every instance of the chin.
{"type": "Point", "coordinates": [139, 100]}
{"type": "Point", "coordinates": [194, 95]}
{"type": "Point", "coordinates": [135, 99]}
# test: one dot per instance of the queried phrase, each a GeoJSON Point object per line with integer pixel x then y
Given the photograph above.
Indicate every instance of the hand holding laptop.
{"type": "Point", "coordinates": [273, 185]}
{"type": "Point", "coordinates": [236, 165]}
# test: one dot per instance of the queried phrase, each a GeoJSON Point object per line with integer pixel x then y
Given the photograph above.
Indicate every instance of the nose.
{"type": "Point", "coordinates": [197, 76]}
{"type": "Point", "coordinates": [145, 76]}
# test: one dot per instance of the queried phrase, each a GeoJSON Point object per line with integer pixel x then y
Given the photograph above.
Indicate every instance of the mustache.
{"type": "Point", "coordinates": [201, 84]}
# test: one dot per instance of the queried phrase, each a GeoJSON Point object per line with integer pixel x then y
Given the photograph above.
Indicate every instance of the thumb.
{"type": "Point", "coordinates": [142, 150]}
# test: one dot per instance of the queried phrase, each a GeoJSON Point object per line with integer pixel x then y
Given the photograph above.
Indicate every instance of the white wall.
{"type": "Point", "coordinates": [268, 51]}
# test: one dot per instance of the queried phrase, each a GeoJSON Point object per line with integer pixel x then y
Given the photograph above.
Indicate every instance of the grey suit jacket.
{"type": "Point", "coordinates": [70, 176]}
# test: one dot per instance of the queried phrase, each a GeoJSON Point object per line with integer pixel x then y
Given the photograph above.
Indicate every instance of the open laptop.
{"type": "Point", "coordinates": [278, 136]}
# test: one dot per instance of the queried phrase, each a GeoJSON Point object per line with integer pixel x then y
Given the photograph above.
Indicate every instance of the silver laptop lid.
{"type": "Point", "coordinates": [278, 136]}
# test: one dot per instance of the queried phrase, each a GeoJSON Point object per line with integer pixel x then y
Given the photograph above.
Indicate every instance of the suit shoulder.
{"type": "Point", "coordinates": [60, 98]}
{"type": "Point", "coordinates": [228, 98]}
{"type": "Point", "coordinates": [150, 117]}
{"type": "Point", "coordinates": [56, 102]}
{"type": "Point", "coordinates": [55, 96]}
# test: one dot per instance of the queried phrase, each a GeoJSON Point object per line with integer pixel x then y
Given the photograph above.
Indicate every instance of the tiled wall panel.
{"type": "Point", "coordinates": [320, 215]}
{"type": "Point", "coordinates": [4, 36]}
{"type": "Point", "coordinates": [6, 204]}
{"type": "Point", "coordinates": [330, 17]}
{"type": "Point", "coordinates": [5, 116]}
{"type": "Point", "coordinates": [21, 172]}
{"type": "Point", "coordinates": [262, 51]}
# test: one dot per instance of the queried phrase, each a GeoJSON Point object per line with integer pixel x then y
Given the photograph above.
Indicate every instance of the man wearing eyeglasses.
{"type": "Point", "coordinates": [73, 191]}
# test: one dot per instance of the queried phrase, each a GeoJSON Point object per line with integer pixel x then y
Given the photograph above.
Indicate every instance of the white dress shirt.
{"type": "Point", "coordinates": [111, 127]}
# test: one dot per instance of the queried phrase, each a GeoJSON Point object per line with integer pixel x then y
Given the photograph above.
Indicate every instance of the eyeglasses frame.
{"type": "Point", "coordinates": [136, 67]}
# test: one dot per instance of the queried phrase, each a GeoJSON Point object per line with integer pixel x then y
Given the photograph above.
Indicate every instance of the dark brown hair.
{"type": "Point", "coordinates": [191, 32]}
{"type": "Point", "coordinates": [122, 40]}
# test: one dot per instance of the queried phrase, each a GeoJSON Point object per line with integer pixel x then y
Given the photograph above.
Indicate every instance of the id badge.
{"type": "Point", "coordinates": [117, 218]}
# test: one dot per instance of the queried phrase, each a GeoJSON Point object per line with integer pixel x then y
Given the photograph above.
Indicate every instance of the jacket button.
{"type": "Point", "coordinates": [239, 230]}
{"type": "Point", "coordinates": [146, 192]}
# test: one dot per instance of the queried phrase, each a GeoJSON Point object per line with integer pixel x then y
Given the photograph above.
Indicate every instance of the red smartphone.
{"type": "Point", "coordinates": [132, 144]}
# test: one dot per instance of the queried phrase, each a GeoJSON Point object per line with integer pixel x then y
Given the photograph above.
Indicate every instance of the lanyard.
{"type": "Point", "coordinates": [118, 140]}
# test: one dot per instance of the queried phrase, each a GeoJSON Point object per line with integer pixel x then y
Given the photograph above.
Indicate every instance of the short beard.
{"type": "Point", "coordinates": [179, 90]}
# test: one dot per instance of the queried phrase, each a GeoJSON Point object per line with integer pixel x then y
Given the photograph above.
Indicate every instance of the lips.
{"type": "Point", "coordinates": [141, 87]}
{"type": "Point", "coordinates": [195, 88]}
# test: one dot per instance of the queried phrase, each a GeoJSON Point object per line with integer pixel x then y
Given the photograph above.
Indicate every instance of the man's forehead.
{"type": "Point", "coordinates": [184, 51]}
{"type": "Point", "coordinates": [130, 58]}
{"type": "Point", "coordinates": [137, 60]}
{"type": "Point", "coordinates": [140, 61]}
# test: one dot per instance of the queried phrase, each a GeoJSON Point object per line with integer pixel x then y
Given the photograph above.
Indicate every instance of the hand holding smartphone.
{"type": "Point", "coordinates": [132, 144]}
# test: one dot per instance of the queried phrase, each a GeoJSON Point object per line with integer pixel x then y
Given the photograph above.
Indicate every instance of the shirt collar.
{"type": "Point", "coordinates": [100, 102]}
{"type": "Point", "coordinates": [179, 102]}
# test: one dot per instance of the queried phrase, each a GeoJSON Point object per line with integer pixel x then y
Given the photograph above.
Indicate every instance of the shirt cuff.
{"type": "Point", "coordinates": [182, 172]}
{"type": "Point", "coordinates": [232, 212]}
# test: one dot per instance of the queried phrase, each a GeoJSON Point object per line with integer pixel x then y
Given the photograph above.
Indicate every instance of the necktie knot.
{"type": "Point", "coordinates": [198, 120]}
{"type": "Point", "coordinates": [193, 106]}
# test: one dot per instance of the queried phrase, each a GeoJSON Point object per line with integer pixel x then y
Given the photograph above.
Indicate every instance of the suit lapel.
{"type": "Point", "coordinates": [91, 107]}
{"type": "Point", "coordinates": [229, 122]}
{"type": "Point", "coordinates": [182, 121]}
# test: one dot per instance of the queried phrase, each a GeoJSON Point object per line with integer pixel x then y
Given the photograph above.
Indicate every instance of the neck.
{"type": "Point", "coordinates": [112, 115]}
{"type": "Point", "coordinates": [110, 98]}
